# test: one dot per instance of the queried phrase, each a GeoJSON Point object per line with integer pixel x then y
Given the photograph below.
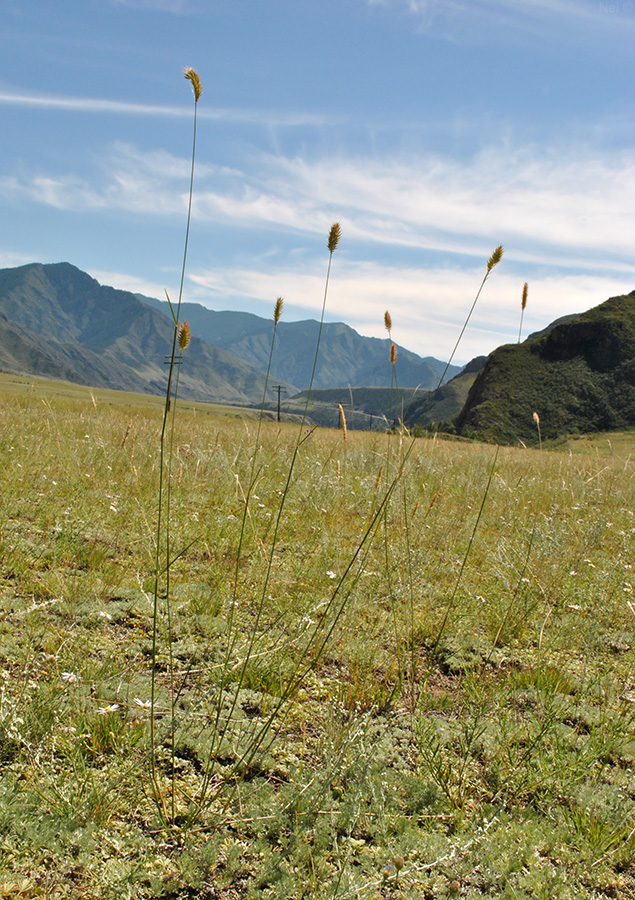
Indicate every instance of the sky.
{"type": "Point", "coordinates": [431, 130]}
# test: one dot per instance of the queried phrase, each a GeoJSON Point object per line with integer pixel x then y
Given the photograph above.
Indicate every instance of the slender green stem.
{"type": "Point", "coordinates": [278, 521]}
{"type": "Point", "coordinates": [466, 555]}
{"type": "Point", "coordinates": [164, 499]}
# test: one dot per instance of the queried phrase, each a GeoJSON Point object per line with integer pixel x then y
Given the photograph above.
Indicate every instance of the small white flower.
{"type": "Point", "coordinates": [104, 710]}
{"type": "Point", "coordinates": [105, 615]}
{"type": "Point", "coordinates": [70, 677]}
{"type": "Point", "coordinates": [144, 704]}
{"type": "Point", "coordinates": [331, 574]}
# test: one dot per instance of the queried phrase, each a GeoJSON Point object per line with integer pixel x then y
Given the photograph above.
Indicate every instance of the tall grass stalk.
{"type": "Point", "coordinates": [163, 547]}
{"type": "Point", "coordinates": [520, 580]}
{"type": "Point", "coordinates": [233, 631]}
{"type": "Point", "coordinates": [492, 262]}
{"type": "Point", "coordinates": [292, 684]}
{"type": "Point", "coordinates": [253, 475]}
{"type": "Point", "coordinates": [536, 419]}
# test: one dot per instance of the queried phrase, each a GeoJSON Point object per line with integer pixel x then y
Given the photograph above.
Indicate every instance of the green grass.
{"type": "Point", "coordinates": [499, 765]}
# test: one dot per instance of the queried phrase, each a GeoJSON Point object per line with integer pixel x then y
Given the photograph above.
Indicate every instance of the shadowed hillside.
{"type": "Point", "coordinates": [56, 320]}
{"type": "Point", "coordinates": [578, 375]}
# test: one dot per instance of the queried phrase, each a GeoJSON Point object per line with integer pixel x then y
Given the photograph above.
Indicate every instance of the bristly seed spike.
{"type": "Point", "coordinates": [277, 312]}
{"type": "Point", "coordinates": [184, 336]}
{"type": "Point", "coordinates": [495, 258]}
{"type": "Point", "coordinates": [342, 420]}
{"type": "Point", "coordinates": [192, 76]}
{"type": "Point", "coordinates": [334, 236]}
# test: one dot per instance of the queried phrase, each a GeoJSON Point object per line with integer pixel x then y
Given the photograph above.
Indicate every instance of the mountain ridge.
{"type": "Point", "coordinates": [577, 375]}
{"type": "Point", "coordinates": [59, 321]}
{"type": "Point", "coordinates": [346, 357]}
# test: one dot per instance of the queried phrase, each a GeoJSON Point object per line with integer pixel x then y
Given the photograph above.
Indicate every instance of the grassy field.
{"type": "Point", "coordinates": [426, 690]}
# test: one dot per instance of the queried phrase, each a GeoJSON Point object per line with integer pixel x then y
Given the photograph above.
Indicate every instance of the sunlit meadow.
{"type": "Point", "coordinates": [466, 728]}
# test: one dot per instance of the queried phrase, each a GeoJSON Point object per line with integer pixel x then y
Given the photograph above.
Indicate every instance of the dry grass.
{"type": "Point", "coordinates": [501, 762]}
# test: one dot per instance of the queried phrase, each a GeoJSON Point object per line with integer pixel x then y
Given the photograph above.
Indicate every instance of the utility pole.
{"type": "Point", "coordinates": [280, 390]}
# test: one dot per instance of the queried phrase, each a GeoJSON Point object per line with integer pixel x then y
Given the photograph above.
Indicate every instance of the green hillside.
{"type": "Point", "coordinates": [578, 376]}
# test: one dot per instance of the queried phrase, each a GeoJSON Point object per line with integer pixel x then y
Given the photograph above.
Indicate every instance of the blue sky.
{"type": "Point", "coordinates": [433, 130]}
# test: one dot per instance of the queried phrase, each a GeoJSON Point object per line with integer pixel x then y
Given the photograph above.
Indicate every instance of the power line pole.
{"type": "Point", "coordinates": [280, 390]}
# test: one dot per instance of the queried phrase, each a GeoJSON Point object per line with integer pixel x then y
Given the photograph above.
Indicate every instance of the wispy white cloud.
{"type": "Point", "coordinates": [456, 18]}
{"type": "Point", "coordinates": [137, 285]}
{"type": "Point", "coordinates": [427, 304]}
{"type": "Point", "coordinates": [550, 208]}
{"type": "Point", "coordinates": [266, 118]}
{"type": "Point", "coordinates": [10, 259]}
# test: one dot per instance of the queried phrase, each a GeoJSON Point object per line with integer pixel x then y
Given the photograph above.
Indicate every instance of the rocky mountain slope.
{"type": "Point", "coordinates": [577, 375]}
{"type": "Point", "coordinates": [56, 320]}
{"type": "Point", "coordinates": [346, 357]}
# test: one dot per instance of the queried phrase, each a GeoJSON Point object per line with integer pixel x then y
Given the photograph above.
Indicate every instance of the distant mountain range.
{"type": "Point", "coordinates": [577, 375]}
{"type": "Point", "coordinates": [346, 358]}
{"type": "Point", "coordinates": [57, 321]}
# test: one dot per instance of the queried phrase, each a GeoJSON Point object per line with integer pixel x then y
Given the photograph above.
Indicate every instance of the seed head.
{"type": "Point", "coordinates": [184, 336]}
{"type": "Point", "coordinates": [523, 302]}
{"type": "Point", "coordinates": [192, 76]}
{"type": "Point", "coordinates": [334, 237]}
{"type": "Point", "coordinates": [495, 258]}
{"type": "Point", "coordinates": [387, 322]}
{"type": "Point", "coordinates": [277, 312]}
{"type": "Point", "coordinates": [393, 353]}
{"type": "Point", "coordinates": [536, 418]}
{"type": "Point", "coordinates": [342, 420]}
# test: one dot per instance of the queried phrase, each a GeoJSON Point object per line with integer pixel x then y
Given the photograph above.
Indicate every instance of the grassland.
{"type": "Point", "coordinates": [445, 709]}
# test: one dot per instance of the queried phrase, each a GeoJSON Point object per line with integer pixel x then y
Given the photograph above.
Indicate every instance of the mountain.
{"type": "Point", "coordinates": [443, 406]}
{"type": "Point", "coordinates": [577, 375]}
{"type": "Point", "coordinates": [365, 408]}
{"type": "Point", "coordinates": [346, 357]}
{"type": "Point", "coordinates": [56, 320]}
